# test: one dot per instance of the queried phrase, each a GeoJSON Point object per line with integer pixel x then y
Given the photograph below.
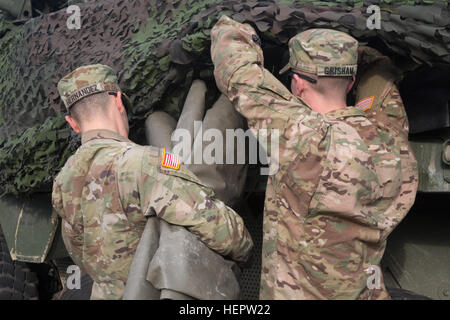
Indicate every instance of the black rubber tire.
{"type": "Point", "coordinates": [17, 281]}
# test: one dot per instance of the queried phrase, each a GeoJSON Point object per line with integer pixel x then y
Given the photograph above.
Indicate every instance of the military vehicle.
{"type": "Point", "coordinates": [158, 48]}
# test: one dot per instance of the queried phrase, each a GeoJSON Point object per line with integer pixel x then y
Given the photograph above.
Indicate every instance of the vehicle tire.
{"type": "Point", "coordinates": [17, 281]}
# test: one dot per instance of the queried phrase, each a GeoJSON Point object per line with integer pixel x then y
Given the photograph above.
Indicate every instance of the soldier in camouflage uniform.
{"type": "Point", "coordinates": [108, 187]}
{"type": "Point", "coordinates": [345, 178]}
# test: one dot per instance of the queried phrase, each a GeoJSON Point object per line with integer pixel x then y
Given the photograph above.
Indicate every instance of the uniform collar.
{"type": "Point", "coordinates": [102, 134]}
{"type": "Point", "coordinates": [344, 113]}
{"type": "Point", "coordinates": [349, 111]}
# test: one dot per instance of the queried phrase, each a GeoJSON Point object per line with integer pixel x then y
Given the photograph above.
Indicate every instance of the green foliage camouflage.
{"type": "Point", "coordinates": [45, 146]}
{"type": "Point", "coordinates": [158, 47]}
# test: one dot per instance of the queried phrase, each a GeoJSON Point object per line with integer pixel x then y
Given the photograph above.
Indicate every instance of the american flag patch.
{"type": "Point", "coordinates": [170, 161]}
{"type": "Point", "coordinates": [366, 103]}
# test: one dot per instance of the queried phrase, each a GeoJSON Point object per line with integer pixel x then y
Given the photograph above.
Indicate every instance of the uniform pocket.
{"type": "Point", "coordinates": [300, 181]}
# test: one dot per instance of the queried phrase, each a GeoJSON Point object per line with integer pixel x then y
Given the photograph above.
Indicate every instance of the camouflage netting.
{"type": "Point", "coordinates": [158, 47]}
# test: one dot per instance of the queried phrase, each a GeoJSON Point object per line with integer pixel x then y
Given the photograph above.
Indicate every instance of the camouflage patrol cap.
{"type": "Point", "coordinates": [87, 80]}
{"type": "Point", "coordinates": [323, 52]}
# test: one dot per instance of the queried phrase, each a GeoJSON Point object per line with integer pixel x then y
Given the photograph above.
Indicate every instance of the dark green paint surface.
{"type": "Point", "coordinates": [29, 226]}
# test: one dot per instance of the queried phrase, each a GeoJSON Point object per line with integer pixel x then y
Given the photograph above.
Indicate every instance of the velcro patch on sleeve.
{"type": "Point", "coordinates": [366, 103]}
{"type": "Point", "coordinates": [170, 160]}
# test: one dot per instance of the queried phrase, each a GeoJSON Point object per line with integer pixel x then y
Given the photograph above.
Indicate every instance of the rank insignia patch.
{"type": "Point", "coordinates": [366, 103]}
{"type": "Point", "coordinates": [170, 160]}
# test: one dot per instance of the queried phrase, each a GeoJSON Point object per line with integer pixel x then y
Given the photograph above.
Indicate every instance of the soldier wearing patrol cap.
{"type": "Point", "coordinates": [108, 187]}
{"type": "Point", "coordinates": [347, 175]}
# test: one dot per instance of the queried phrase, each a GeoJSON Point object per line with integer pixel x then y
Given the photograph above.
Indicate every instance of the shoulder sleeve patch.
{"type": "Point", "coordinates": [170, 160]}
{"type": "Point", "coordinates": [365, 103]}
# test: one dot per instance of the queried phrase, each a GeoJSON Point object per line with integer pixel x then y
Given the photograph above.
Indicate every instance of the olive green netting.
{"type": "Point", "coordinates": [158, 47]}
{"type": "Point", "coordinates": [27, 160]}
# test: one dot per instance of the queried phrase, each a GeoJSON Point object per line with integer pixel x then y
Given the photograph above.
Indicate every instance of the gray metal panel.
{"type": "Point", "coordinates": [418, 250]}
{"type": "Point", "coordinates": [428, 149]}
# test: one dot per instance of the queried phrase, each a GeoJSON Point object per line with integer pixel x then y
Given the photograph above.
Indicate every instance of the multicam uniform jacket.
{"type": "Point", "coordinates": [345, 178]}
{"type": "Point", "coordinates": [106, 189]}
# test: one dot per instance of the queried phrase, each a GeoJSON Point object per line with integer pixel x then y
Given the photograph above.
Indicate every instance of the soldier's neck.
{"type": "Point", "coordinates": [323, 104]}
{"type": "Point", "coordinates": [107, 125]}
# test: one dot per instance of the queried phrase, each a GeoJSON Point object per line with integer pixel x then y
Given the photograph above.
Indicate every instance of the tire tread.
{"type": "Point", "coordinates": [17, 281]}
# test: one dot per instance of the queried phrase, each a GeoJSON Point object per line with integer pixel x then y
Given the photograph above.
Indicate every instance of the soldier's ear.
{"type": "Point", "coordinates": [119, 103]}
{"type": "Point", "coordinates": [350, 85]}
{"type": "Point", "coordinates": [297, 85]}
{"type": "Point", "coordinates": [74, 124]}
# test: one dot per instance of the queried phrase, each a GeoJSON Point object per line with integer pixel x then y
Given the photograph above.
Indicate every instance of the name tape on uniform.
{"type": "Point", "coordinates": [345, 71]}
